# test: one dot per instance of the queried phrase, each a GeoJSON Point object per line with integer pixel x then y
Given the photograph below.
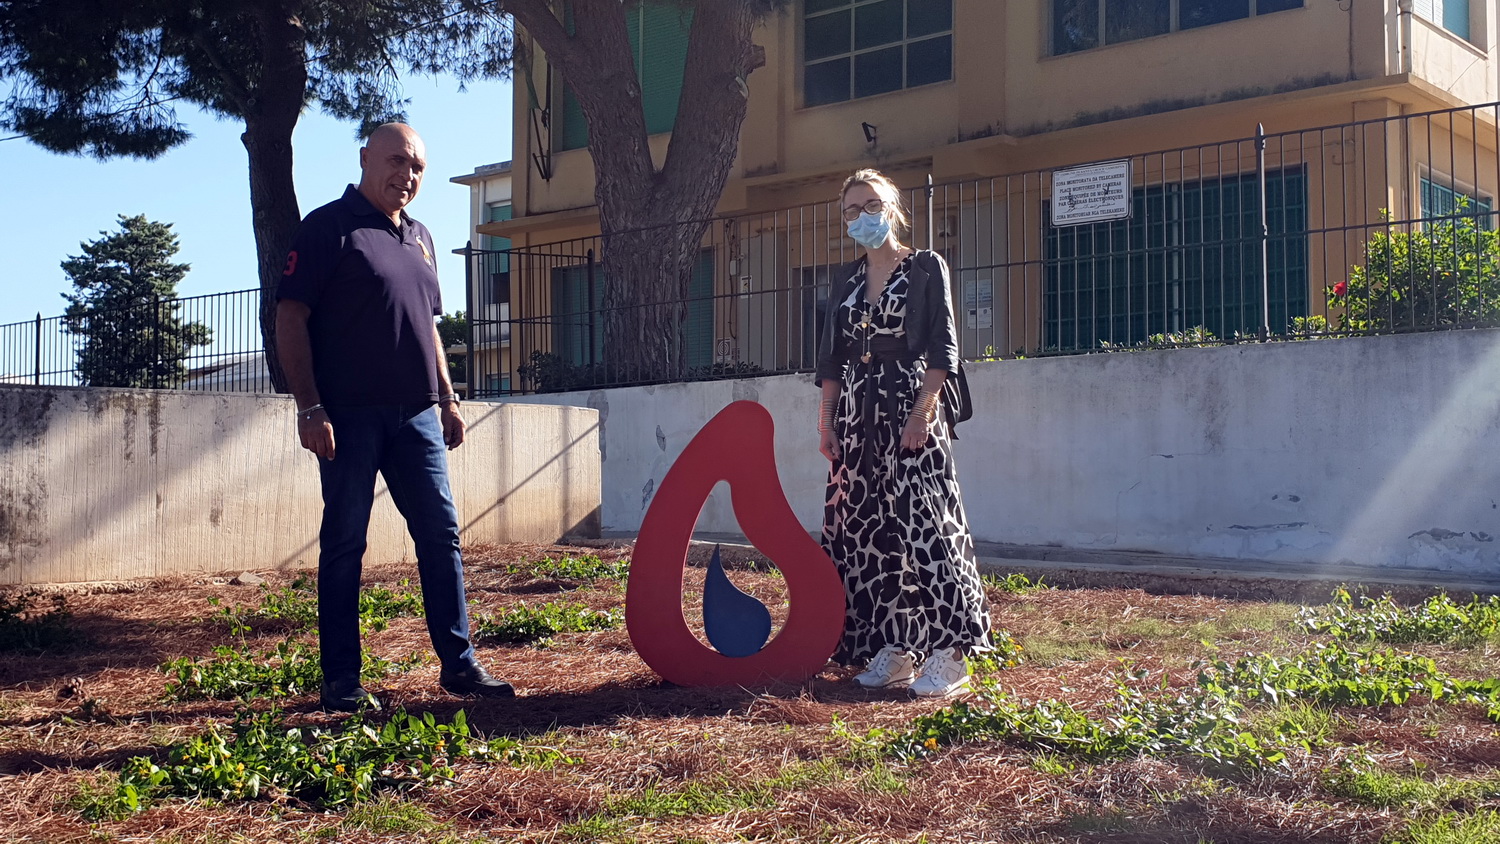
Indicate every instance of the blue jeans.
{"type": "Point", "coordinates": [404, 443]}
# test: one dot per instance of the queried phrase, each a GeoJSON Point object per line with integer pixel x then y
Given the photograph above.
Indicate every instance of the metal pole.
{"type": "Point", "coordinates": [471, 371]}
{"type": "Point", "coordinates": [1265, 233]}
{"type": "Point", "coordinates": [930, 241]}
{"type": "Point", "coordinates": [589, 324]}
{"type": "Point", "coordinates": [36, 372]}
{"type": "Point", "coordinates": [156, 341]}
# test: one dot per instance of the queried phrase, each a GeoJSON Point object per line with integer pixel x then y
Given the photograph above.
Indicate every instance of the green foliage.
{"type": "Point", "coordinates": [1446, 273]}
{"type": "Point", "coordinates": [527, 624]}
{"type": "Point", "coordinates": [291, 668]}
{"type": "Point", "coordinates": [1195, 336]}
{"type": "Point", "coordinates": [261, 755]}
{"type": "Point", "coordinates": [1335, 675]}
{"type": "Point", "coordinates": [125, 310]}
{"type": "Point", "coordinates": [1437, 619]}
{"type": "Point", "coordinates": [1482, 827]}
{"type": "Point", "coordinates": [24, 625]}
{"type": "Point", "coordinates": [1194, 723]}
{"type": "Point", "coordinates": [226, 58]}
{"type": "Point", "coordinates": [1015, 583]}
{"type": "Point", "coordinates": [585, 567]}
{"type": "Point", "coordinates": [454, 330]}
{"type": "Point", "coordinates": [391, 814]}
{"type": "Point", "coordinates": [295, 608]}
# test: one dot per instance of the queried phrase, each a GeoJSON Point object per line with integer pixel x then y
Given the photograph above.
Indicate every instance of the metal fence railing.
{"type": "Point", "coordinates": [210, 342]}
{"type": "Point", "coordinates": [1376, 226]}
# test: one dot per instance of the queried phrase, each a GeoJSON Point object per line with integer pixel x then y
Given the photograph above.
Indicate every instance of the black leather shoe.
{"type": "Point", "coordinates": [474, 681]}
{"type": "Point", "coordinates": [347, 699]}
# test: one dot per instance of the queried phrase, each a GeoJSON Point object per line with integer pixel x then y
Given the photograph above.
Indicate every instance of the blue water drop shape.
{"type": "Point", "coordinates": [736, 624]}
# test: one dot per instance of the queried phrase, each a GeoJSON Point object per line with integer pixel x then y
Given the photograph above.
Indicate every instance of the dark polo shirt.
{"type": "Point", "coordinates": [373, 291]}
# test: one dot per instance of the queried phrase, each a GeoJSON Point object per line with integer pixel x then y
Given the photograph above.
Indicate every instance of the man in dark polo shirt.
{"type": "Point", "coordinates": [356, 337]}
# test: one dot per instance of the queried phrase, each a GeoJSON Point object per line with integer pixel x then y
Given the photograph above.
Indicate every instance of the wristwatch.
{"type": "Point", "coordinates": [451, 398]}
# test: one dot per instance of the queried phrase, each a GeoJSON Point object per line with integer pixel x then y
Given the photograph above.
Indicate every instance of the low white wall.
{"type": "Point", "coordinates": [1380, 451]}
{"type": "Point", "coordinates": [100, 484]}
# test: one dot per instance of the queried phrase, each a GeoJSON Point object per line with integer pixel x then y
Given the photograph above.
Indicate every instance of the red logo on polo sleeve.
{"type": "Point", "coordinates": [291, 263]}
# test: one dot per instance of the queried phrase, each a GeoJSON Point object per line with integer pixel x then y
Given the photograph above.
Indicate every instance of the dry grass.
{"type": "Point", "coordinates": [665, 764]}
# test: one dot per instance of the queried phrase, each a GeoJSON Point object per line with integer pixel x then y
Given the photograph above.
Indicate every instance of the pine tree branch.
{"type": "Point", "coordinates": [537, 18]}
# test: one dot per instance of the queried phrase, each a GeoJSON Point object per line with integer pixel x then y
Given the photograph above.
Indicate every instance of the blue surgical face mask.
{"type": "Point", "coordinates": [870, 230]}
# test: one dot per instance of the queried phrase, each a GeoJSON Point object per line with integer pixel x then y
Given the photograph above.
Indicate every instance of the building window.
{"type": "Point", "coordinates": [1086, 24]}
{"type": "Point", "coordinates": [658, 33]}
{"type": "Point", "coordinates": [860, 48]}
{"type": "Point", "coordinates": [1188, 256]}
{"type": "Point", "coordinates": [1452, 15]}
{"type": "Point", "coordinates": [1440, 200]}
{"type": "Point", "coordinates": [495, 281]}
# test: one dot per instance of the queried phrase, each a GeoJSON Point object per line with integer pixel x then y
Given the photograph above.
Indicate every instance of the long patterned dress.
{"type": "Point", "coordinates": [894, 520]}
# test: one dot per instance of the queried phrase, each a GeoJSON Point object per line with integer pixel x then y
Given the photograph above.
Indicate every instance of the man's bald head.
{"type": "Point", "coordinates": [393, 160]}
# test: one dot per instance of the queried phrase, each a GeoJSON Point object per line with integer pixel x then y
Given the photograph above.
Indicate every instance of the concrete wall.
{"type": "Point", "coordinates": [115, 484]}
{"type": "Point", "coordinates": [1376, 451]}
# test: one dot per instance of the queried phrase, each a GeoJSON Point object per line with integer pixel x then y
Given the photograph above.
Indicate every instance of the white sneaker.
{"type": "Point", "coordinates": [891, 667]}
{"type": "Point", "coordinates": [943, 674]}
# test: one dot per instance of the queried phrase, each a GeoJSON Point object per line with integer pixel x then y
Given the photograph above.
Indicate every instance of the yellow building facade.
{"type": "Point", "coordinates": [1373, 113]}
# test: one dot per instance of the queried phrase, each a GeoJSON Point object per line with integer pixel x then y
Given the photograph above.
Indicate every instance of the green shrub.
{"type": "Point", "coordinates": [1446, 273]}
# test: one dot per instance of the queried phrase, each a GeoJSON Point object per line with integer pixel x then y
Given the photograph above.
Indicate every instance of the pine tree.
{"type": "Point", "coordinates": [124, 308]}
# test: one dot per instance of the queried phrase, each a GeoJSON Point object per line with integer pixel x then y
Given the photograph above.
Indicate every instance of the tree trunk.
{"type": "Point", "coordinates": [652, 220]}
{"type": "Point", "coordinates": [270, 117]}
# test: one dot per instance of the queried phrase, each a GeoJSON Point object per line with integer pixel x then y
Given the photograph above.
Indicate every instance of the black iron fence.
{"type": "Point", "coordinates": [1377, 226]}
{"type": "Point", "coordinates": [210, 342]}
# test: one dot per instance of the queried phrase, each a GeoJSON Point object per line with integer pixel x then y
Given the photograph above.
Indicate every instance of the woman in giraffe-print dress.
{"type": "Point", "coordinates": [894, 520]}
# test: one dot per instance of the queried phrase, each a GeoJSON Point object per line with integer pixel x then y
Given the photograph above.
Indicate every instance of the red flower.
{"type": "Point", "coordinates": [1341, 289]}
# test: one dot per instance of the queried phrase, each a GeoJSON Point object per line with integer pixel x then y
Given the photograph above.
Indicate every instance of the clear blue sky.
{"type": "Point", "coordinates": [54, 202]}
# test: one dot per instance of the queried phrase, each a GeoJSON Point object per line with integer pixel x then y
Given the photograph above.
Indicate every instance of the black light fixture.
{"type": "Point", "coordinates": [869, 132]}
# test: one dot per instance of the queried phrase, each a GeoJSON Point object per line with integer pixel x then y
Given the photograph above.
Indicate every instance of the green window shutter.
{"type": "Point", "coordinates": [574, 131]}
{"type": "Point", "coordinates": [573, 320]}
{"type": "Point", "coordinates": [497, 214]}
{"type": "Point", "coordinates": [661, 56]}
{"type": "Point", "coordinates": [658, 33]}
{"type": "Point", "coordinates": [699, 331]}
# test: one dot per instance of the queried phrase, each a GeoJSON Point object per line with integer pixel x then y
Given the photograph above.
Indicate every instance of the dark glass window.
{"type": "Point", "coordinates": [1085, 24]}
{"type": "Point", "coordinates": [1127, 20]}
{"type": "Point", "coordinates": [1196, 13]}
{"type": "Point", "coordinates": [1075, 25]}
{"type": "Point", "coordinates": [860, 48]}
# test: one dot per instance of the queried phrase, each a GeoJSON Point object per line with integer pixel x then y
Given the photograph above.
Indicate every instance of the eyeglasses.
{"type": "Point", "coordinates": [852, 212]}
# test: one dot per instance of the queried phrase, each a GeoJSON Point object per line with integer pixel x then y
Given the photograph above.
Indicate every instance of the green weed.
{"type": "Point", "coordinates": [585, 567]}
{"type": "Point", "coordinates": [291, 668]}
{"type": "Point", "coordinates": [1014, 583]}
{"type": "Point", "coordinates": [527, 624]}
{"type": "Point", "coordinates": [260, 754]}
{"type": "Point", "coordinates": [295, 608]}
{"type": "Point", "coordinates": [389, 815]}
{"type": "Point", "coordinates": [1437, 619]}
{"type": "Point", "coordinates": [1482, 827]}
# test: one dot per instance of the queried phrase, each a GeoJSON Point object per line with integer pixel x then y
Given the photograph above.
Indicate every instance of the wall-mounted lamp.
{"type": "Point", "coordinates": [869, 132]}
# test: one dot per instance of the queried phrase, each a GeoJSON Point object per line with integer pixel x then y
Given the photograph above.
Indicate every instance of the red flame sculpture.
{"type": "Point", "coordinates": [736, 446]}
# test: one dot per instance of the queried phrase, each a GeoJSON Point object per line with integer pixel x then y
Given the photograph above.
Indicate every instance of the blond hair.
{"type": "Point", "coordinates": [884, 188]}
